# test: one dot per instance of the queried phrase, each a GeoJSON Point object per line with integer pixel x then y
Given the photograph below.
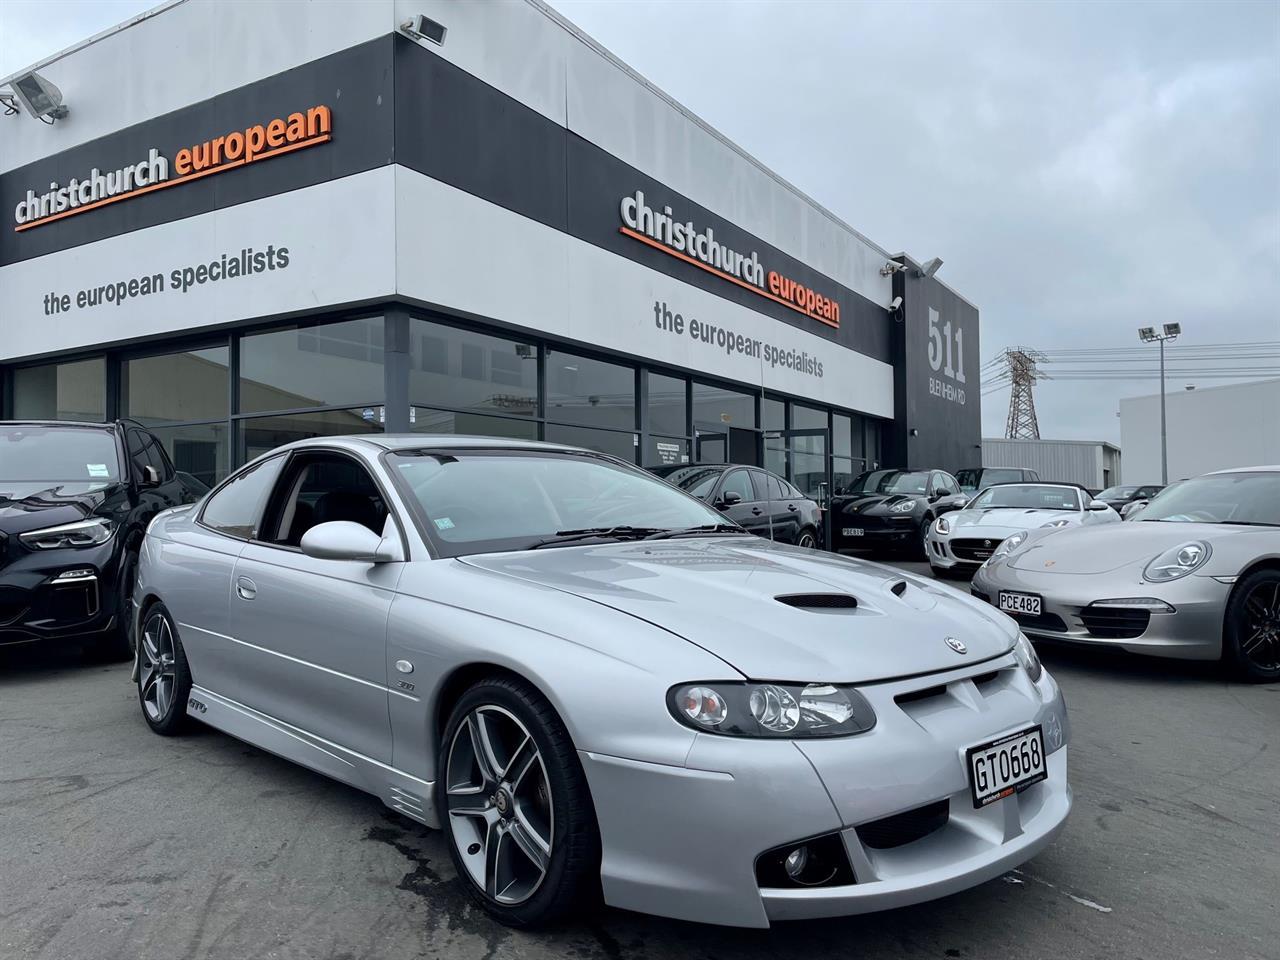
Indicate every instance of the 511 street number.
{"type": "Point", "coordinates": [942, 357]}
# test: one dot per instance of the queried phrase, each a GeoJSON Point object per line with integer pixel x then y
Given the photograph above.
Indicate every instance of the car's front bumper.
{"type": "Point", "coordinates": [973, 552]}
{"type": "Point", "coordinates": [878, 532]}
{"type": "Point", "coordinates": [1190, 629]}
{"type": "Point", "coordinates": [57, 594]}
{"type": "Point", "coordinates": [681, 840]}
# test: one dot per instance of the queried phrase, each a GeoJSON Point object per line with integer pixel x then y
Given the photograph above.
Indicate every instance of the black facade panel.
{"type": "Point", "coordinates": [356, 84]}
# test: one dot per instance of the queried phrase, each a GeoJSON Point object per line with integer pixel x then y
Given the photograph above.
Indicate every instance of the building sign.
{"type": "Point", "coordinates": [685, 241]}
{"type": "Point", "coordinates": [943, 359]}
{"type": "Point", "coordinates": [236, 149]}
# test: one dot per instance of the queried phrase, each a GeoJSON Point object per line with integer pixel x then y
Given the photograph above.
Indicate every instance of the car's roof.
{"type": "Point", "coordinates": [427, 441]}
{"type": "Point", "coordinates": [84, 424]}
{"type": "Point", "coordinates": [1034, 483]}
{"type": "Point", "coordinates": [1272, 468]}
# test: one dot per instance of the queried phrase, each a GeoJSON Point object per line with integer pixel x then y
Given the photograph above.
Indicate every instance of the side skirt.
{"type": "Point", "coordinates": [401, 791]}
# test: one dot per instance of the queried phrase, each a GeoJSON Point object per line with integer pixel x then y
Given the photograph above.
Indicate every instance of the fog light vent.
{"type": "Point", "coordinates": [817, 862]}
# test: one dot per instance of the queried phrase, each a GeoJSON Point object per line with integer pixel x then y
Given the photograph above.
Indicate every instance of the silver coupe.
{"type": "Point", "coordinates": [961, 541]}
{"type": "Point", "coordinates": [1195, 575]}
{"type": "Point", "coordinates": [598, 688]}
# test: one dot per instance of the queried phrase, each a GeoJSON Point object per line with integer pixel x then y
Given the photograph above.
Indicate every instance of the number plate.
{"type": "Point", "coordinates": [1006, 766]}
{"type": "Point", "coordinates": [852, 531]}
{"type": "Point", "coordinates": [1028, 603]}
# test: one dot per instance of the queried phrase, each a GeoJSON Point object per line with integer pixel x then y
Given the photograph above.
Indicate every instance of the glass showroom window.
{"type": "Point", "coordinates": [329, 365]}
{"type": "Point", "coordinates": [61, 391]}
{"type": "Point", "coordinates": [590, 392]}
{"type": "Point", "coordinates": [266, 433]}
{"type": "Point", "coordinates": [846, 452]}
{"type": "Point", "coordinates": [480, 378]}
{"type": "Point", "coordinates": [667, 423]}
{"type": "Point", "coordinates": [724, 426]}
{"type": "Point", "coordinates": [182, 399]}
{"type": "Point", "coordinates": [616, 443]}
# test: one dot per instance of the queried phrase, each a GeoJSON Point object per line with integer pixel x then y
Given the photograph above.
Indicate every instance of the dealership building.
{"type": "Point", "coordinates": [258, 222]}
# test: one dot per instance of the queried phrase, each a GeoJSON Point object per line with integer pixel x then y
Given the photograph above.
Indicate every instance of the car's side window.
{"type": "Point", "coordinates": [739, 482]}
{"type": "Point", "coordinates": [321, 488]}
{"type": "Point", "coordinates": [235, 509]}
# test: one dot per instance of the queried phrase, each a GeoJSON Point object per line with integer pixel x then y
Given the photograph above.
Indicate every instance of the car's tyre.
{"type": "Point", "coordinates": [164, 679]}
{"type": "Point", "coordinates": [920, 549]}
{"type": "Point", "coordinates": [118, 643]}
{"type": "Point", "coordinates": [515, 805]}
{"type": "Point", "coordinates": [1251, 633]}
{"type": "Point", "coordinates": [808, 539]}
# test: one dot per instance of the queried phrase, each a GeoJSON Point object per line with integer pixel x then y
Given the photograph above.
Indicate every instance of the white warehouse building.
{"type": "Point", "coordinates": [1212, 428]}
{"type": "Point", "coordinates": [1093, 464]}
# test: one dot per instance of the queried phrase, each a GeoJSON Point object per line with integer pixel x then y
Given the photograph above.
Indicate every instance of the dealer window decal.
{"type": "Point", "coordinates": [235, 149]}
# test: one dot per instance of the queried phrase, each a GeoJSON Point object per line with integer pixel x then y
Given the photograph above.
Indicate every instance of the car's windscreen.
{"type": "Point", "coordinates": [1116, 493]}
{"type": "Point", "coordinates": [891, 481]}
{"type": "Point", "coordinates": [1027, 497]}
{"type": "Point", "coordinates": [990, 477]}
{"type": "Point", "coordinates": [1245, 498]}
{"type": "Point", "coordinates": [481, 501]}
{"type": "Point", "coordinates": [693, 480]}
{"type": "Point", "coordinates": [36, 454]}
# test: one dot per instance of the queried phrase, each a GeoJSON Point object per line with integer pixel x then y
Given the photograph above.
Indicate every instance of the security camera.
{"type": "Point", "coordinates": [894, 304]}
{"type": "Point", "coordinates": [423, 28]}
{"type": "Point", "coordinates": [891, 267]}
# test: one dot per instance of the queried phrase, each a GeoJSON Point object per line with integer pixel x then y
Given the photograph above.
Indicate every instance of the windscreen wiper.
{"type": "Point", "coordinates": [593, 533]}
{"type": "Point", "coordinates": [706, 528]}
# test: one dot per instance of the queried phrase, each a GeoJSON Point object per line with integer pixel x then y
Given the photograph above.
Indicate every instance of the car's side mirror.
{"type": "Point", "coordinates": [935, 496]}
{"type": "Point", "coordinates": [1098, 505]}
{"type": "Point", "coordinates": [150, 477]}
{"type": "Point", "coordinates": [344, 540]}
{"type": "Point", "coordinates": [729, 499]}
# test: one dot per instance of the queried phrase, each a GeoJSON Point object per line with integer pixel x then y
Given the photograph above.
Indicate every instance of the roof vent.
{"type": "Point", "coordinates": [819, 602]}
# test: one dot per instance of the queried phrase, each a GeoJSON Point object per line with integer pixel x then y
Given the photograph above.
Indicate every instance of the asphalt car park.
{"type": "Point", "coordinates": [117, 843]}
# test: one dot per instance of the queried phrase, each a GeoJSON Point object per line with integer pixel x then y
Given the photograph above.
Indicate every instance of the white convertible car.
{"type": "Point", "coordinates": [964, 539]}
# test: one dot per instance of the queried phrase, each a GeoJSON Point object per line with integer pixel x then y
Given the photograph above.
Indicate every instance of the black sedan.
{"type": "Point", "coordinates": [763, 502]}
{"type": "Point", "coordinates": [1119, 497]}
{"type": "Point", "coordinates": [75, 500]}
{"type": "Point", "coordinates": [892, 509]}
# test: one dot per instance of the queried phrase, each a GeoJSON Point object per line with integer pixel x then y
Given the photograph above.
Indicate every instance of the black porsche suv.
{"type": "Point", "coordinates": [75, 500]}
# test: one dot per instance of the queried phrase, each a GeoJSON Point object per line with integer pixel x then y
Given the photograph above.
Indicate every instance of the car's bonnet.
{"type": "Point", "coordinates": [1003, 521]}
{"type": "Point", "coordinates": [722, 594]}
{"type": "Point", "coordinates": [1110, 546]}
{"type": "Point", "coordinates": [31, 506]}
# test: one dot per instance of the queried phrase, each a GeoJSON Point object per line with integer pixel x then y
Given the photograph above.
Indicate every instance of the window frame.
{"type": "Point", "coordinates": [230, 478]}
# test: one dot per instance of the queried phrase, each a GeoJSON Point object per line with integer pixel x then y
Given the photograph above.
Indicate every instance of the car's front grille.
{"type": "Point", "coordinates": [1049, 622]}
{"type": "Point", "coordinates": [903, 828]}
{"type": "Point", "coordinates": [1115, 623]}
{"type": "Point", "coordinates": [974, 549]}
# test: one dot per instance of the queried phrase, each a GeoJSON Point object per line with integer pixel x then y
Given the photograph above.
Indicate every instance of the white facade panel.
{"type": "Point", "coordinates": [200, 49]}
{"type": "Point", "coordinates": [339, 235]}
{"type": "Point", "coordinates": [1211, 428]}
{"type": "Point", "coordinates": [472, 256]}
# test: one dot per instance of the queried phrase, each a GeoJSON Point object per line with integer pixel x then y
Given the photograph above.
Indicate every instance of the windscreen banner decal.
{"type": "Point", "coordinates": [239, 148]}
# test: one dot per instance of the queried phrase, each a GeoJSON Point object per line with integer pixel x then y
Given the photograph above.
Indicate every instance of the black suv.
{"type": "Point", "coordinates": [761, 501]}
{"type": "Point", "coordinates": [892, 509]}
{"type": "Point", "coordinates": [75, 500]}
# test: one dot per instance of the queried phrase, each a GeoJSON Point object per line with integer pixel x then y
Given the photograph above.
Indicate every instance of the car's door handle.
{"type": "Point", "coordinates": [792, 507]}
{"type": "Point", "coordinates": [757, 511]}
{"type": "Point", "coordinates": [246, 588]}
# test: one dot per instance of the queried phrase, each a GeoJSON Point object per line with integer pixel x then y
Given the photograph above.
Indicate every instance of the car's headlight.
{"type": "Point", "coordinates": [942, 525]}
{"type": "Point", "coordinates": [1028, 657]}
{"type": "Point", "coordinates": [771, 709]}
{"type": "Point", "coordinates": [1178, 562]}
{"type": "Point", "coordinates": [1062, 522]}
{"type": "Point", "coordinates": [1009, 544]}
{"type": "Point", "coordinates": [81, 533]}
{"type": "Point", "coordinates": [906, 506]}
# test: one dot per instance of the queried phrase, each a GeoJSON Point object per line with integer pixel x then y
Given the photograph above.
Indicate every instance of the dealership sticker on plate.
{"type": "Point", "coordinates": [444, 523]}
{"type": "Point", "coordinates": [97, 469]}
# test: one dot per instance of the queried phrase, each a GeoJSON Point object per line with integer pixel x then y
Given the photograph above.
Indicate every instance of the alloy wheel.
{"type": "Point", "coordinates": [1260, 638]}
{"type": "Point", "coordinates": [158, 677]}
{"type": "Point", "coordinates": [499, 805]}
{"type": "Point", "coordinates": [806, 541]}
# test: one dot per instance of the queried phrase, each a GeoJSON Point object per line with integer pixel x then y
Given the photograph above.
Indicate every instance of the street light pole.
{"type": "Point", "coordinates": [1147, 335]}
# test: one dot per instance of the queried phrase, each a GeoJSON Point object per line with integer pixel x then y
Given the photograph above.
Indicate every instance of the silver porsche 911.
{"type": "Point", "coordinates": [963, 540]}
{"type": "Point", "coordinates": [1194, 575]}
{"type": "Point", "coordinates": [595, 686]}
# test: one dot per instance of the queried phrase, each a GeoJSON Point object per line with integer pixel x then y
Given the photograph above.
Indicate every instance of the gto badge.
{"type": "Point", "coordinates": [956, 645]}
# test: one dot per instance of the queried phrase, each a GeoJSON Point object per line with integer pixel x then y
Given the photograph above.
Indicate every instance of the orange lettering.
{"type": "Point", "coordinates": [275, 133]}
{"type": "Point", "coordinates": [182, 162]}
{"type": "Point", "coordinates": [297, 128]}
{"type": "Point", "coordinates": [318, 121]}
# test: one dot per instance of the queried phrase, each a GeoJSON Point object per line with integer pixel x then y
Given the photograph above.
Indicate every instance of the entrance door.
{"type": "Point", "coordinates": [801, 457]}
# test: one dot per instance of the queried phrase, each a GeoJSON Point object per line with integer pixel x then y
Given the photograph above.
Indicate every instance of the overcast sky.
{"type": "Point", "coordinates": [1082, 168]}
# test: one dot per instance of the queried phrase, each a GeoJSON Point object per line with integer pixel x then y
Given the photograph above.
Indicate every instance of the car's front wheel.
{"type": "Point", "coordinates": [807, 539]}
{"type": "Point", "coordinates": [1251, 638]}
{"type": "Point", "coordinates": [515, 804]}
{"type": "Point", "coordinates": [164, 679]}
